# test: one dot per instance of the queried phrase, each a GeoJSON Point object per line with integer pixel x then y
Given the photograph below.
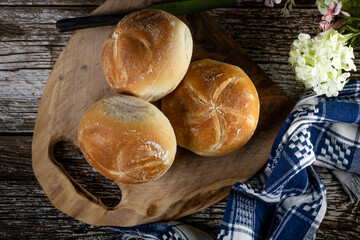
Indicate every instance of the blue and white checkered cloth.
{"type": "Point", "coordinates": [286, 199]}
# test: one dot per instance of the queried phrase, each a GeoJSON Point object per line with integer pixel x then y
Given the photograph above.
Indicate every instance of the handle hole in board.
{"type": "Point", "coordinates": [75, 164]}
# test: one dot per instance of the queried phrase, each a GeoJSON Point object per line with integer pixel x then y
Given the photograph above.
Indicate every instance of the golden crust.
{"type": "Point", "coordinates": [127, 139]}
{"type": "Point", "coordinates": [214, 110]}
{"type": "Point", "coordinates": [148, 54]}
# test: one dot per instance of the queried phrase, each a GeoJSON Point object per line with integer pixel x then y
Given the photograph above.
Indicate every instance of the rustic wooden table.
{"type": "Point", "coordinates": [29, 47]}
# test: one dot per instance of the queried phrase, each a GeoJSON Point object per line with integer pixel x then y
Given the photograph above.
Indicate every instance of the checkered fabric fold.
{"type": "Point", "coordinates": [286, 199]}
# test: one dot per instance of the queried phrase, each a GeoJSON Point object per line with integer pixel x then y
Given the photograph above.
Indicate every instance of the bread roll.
{"type": "Point", "coordinates": [127, 139]}
{"type": "Point", "coordinates": [148, 54]}
{"type": "Point", "coordinates": [214, 110]}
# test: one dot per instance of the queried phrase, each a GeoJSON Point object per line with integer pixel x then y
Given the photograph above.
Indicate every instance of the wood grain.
{"type": "Point", "coordinates": [264, 33]}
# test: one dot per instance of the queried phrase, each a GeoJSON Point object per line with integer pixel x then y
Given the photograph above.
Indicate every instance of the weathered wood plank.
{"type": "Point", "coordinates": [51, 2]}
{"type": "Point", "coordinates": [36, 23]}
{"type": "Point", "coordinates": [31, 45]}
{"type": "Point", "coordinates": [99, 2]}
{"type": "Point", "coordinates": [24, 205]}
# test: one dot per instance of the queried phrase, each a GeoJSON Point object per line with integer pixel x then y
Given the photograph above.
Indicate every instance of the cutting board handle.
{"type": "Point", "coordinates": [68, 195]}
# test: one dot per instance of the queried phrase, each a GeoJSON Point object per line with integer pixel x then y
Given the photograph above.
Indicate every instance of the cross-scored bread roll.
{"type": "Point", "coordinates": [148, 54]}
{"type": "Point", "coordinates": [214, 110]}
{"type": "Point", "coordinates": [127, 139]}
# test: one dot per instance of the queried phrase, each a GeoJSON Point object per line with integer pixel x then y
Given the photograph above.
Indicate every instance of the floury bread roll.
{"type": "Point", "coordinates": [127, 139]}
{"type": "Point", "coordinates": [214, 110]}
{"type": "Point", "coordinates": [148, 54]}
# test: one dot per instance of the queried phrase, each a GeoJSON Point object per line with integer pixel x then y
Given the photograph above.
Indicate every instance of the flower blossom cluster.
{"type": "Point", "coordinates": [322, 63]}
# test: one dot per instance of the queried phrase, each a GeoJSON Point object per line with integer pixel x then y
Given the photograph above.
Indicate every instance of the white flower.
{"type": "Point", "coordinates": [324, 5]}
{"type": "Point", "coordinates": [319, 62]}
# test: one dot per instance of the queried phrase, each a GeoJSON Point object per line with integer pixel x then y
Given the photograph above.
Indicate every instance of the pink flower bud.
{"type": "Point", "coordinates": [270, 3]}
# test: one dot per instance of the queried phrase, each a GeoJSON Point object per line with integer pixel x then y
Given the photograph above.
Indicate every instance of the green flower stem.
{"type": "Point", "coordinates": [350, 28]}
{"type": "Point", "coordinates": [190, 6]}
{"type": "Point", "coordinates": [354, 39]}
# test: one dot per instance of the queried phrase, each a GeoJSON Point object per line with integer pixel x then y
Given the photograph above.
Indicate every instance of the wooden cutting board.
{"type": "Point", "coordinates": [193, 182]}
